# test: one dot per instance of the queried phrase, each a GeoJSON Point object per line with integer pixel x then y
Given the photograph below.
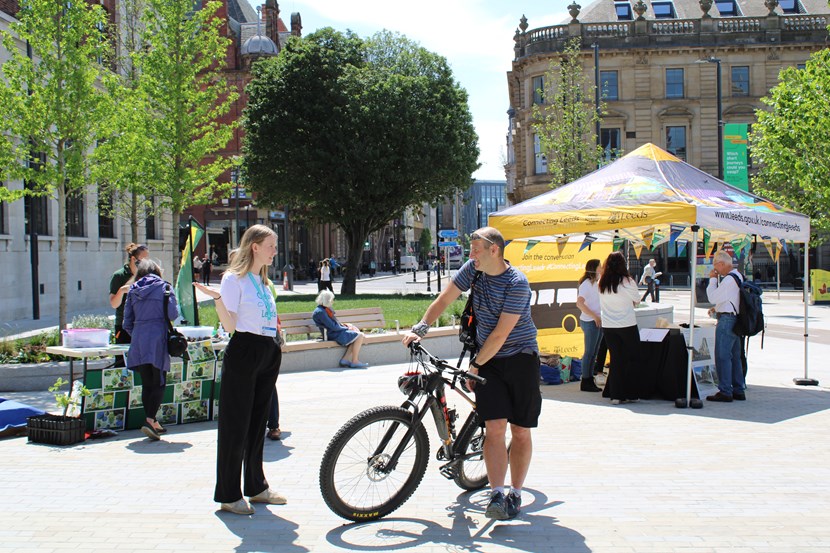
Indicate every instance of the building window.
{"type": "Point", "coordinates": [728, 8]}
{"type": "Point", "coordinates": [611, 143]}
{"type": "Point", "coordinates": [541, 161]}
{"type": "Point", "coordinates": [674, 83]}
{"type": "Point", "coordinates": [610, 85]}
{"type": "Point", "coordinates": [150, 220]}
{"type": "Point", "coordinates": [663, 10]}
{"type": "Point", "coordinates": [676, 141]}
{"type": "Point", "coordinates": [539, 90]}
{"type": "Point", "coordinates": [740, 80]}
{"type": "Point", "coordinates": [36, 208]}
{"type": "Point", "coordinates": [789, 6]}
{"type": "Point", "coordinates": [623, 10]}
{"type": "Point", "coordinates": [75, 213]}
{"type": "Point", "coordinates": [106, 207]}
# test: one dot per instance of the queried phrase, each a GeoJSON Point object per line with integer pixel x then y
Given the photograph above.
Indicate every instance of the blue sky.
{"type": "Point", "coordinates": [476, 37]}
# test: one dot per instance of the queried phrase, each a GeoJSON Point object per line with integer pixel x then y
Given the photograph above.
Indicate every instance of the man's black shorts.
{"type": "Point", "coordinates": [512, 390]}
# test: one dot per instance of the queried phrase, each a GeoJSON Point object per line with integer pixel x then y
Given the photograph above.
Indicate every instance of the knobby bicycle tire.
{"type": "Point", "coordinates": [352, 480]}
{"type": "Point", "coordinates": [472, 473]}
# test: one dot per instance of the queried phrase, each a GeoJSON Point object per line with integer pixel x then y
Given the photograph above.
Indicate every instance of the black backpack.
{"type": "Point", "coordinates": [750, 319]}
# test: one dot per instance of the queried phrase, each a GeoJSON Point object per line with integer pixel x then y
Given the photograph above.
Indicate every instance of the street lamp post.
{"type": "Point", "coordinates": [247, 216]}
{"type": "Point", "coordinates": [597, 86]}
{"type": "Point", "coordinates": [712, 59]}
{"type": "Point", "coordinates": [478, 216]}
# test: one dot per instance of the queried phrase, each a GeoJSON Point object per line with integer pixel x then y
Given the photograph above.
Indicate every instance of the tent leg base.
{"type": "Point", "coordinates": [680, 403]}
{"type": "Point", "coordinates": [805, 381]}
{"type": "Point", "coordinates": [695, 403]}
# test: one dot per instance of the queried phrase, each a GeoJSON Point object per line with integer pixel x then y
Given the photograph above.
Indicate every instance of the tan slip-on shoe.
{"type": "Point", "coordinates": [269, 496]}
{"type": "Point", "coordinates": [239, 507]}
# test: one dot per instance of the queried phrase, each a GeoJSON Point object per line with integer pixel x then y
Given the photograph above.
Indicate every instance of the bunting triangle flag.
{"type": "Point", "coordinates": [587, 242]}
{"type": "Point", "coordinates": [706, 237]}
{"type": "Point", "coordinates": [617, 243]}
{"type": "Point", "coordinates": [746, 244]}
{"type": "Point", "coordinates": [712, 248]}
{"type": "Point", "coordinates": [530, 244]}
{"type": "Point", "coordinates": [561, 242]}
{"type": "Point", "coordinates": [648, 236]}
{"type": "Point", "coordinates": [784, 245]}
{"type": "Point", "coordinates": [737, 246]}
{"type": "Point", "coordinates": [777, 251]}
{"type": "Point", "coordinates": [768, 246]}
{"type": "Point", "coordinates": [681, 247]}
{"type": "Point", "coordinates": [674, 232]}
{"type": "Point", "coordinates": [657, 239]}
{"type": "Point", "coordinates": [638, 248]}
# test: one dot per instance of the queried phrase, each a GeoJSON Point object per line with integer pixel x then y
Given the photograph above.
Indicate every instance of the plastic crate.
{"type": "Point", "coordinates": [85, 337]}
{"type": "Point", "coordinates": [56, 430]}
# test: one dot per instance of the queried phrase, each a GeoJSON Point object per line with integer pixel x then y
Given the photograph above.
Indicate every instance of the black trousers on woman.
{"type": "Point", "coordinates": [152, 389]}
{"type": "Point", "coordinates": [249, 373]}
{"type": "Point", "coordinates": [624, 345]}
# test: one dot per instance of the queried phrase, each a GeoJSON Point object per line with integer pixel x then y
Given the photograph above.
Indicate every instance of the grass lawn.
{"type": "Point", "coordinates": [407, 309]}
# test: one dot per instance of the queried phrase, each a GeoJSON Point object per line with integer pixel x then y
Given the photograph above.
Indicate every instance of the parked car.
{"type": "Point", "coordinates": [408, 262]}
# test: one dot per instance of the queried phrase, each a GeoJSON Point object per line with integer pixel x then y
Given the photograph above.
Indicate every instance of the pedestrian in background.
{"type": "Point", "coordinates": [346, 335]}
{"type": "Point", "coordinates": [247, 309]}
{"type": "Point", "coordinates": [325, 276]}
{"type": "Point", "coordinates": [150, 304]}
{"type": "Point", "coordinates": [618, 294]}
{"type": "Point", "coordinates": [207, 266]}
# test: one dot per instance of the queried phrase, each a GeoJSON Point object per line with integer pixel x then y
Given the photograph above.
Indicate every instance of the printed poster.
{"type": "Point", "coordinates": [116, 379]}
{"type": "Point", "coordinates": [111, 419]}
{"type": "Point", "coordinates": [98, 400]}
{"type": "Point", "coordinates": [193, 411]}
{"type": "Point", "coordinates": [200, 351]}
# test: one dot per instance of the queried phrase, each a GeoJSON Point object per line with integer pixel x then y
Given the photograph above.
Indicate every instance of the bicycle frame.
{"type": "Point", "coordinates": [435, 403]}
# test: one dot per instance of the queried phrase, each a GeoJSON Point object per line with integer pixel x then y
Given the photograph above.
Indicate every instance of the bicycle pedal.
{"type": "Point", "coordinates": [441, 455]}
{"type": "Point", "coordinates": [449, 471]}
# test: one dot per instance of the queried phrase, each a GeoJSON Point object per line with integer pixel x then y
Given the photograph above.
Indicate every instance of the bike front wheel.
{"type": "Point", "coordinates": [356, 479]}
{"type": "Point", "coordinates": [472, 472]}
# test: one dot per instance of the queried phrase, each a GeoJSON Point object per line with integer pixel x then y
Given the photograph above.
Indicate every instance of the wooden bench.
{"type": "Point", "coordinates": [293, 324]}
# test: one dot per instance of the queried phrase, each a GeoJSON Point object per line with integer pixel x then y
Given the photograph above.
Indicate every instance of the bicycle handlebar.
{"type": "Point", "coordinates": [416, 347]}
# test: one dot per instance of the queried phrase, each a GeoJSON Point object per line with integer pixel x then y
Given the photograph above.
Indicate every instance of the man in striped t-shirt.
{"type": "Point", "coordinates": [508, 357]}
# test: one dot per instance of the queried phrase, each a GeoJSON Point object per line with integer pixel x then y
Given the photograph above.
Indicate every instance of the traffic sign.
{"type": "Point", "coordinates": [448, 233]}
{"type": "Point", "coordinates": [447, 244]}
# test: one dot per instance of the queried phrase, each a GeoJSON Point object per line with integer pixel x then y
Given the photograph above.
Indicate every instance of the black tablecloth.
{"type": "Point", "coordinates": [661, 371]}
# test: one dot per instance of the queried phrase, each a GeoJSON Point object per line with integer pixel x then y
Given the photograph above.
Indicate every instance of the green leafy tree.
{"type": "Point", "coordinates": [356, 131]}
{"type": "Point", "coordinates": [566, 119]}
{"type": "Point", "coordinates": [789, 146]}
{"type": "Point", "coordinates": [124, 162]}
{"type": "Point", "coordinates": [173, 115]}
{"type": "Point", "coordinates": [50, 105]}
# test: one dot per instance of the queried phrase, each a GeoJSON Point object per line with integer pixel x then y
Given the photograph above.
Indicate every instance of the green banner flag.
{"type": "Point", "coordinates": [706, 237]}
{"type": "Point", "coordinates": [618, 243]}
{"type": "Point", "coordinates": [530, 244]}
{"type": "Point", "coordinates": [185, 294]}
{"type": "Point", "coordinates": [735, 155]}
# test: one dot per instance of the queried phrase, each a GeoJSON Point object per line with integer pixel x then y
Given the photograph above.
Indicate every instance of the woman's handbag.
{"type": "Point", "coordinates": [467, 331]}
{"type": "Point", "coordinates": [176, 342]}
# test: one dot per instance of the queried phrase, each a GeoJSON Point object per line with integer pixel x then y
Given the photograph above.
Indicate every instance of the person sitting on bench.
{"type": "Point", "coordinates": [344, 334]}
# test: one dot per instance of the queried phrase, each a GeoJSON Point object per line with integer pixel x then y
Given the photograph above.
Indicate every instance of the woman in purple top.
{"type": "Point", "coordinates": [145, 317]}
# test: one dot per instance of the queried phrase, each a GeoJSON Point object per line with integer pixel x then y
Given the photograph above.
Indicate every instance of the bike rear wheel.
{"type": "Point", "coordinates": [355, 480]}
{"type": "Point", "coordinates": [472, 472]}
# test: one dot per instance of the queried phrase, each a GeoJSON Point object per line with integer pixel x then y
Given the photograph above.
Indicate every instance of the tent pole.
{"type": "Point", "coordinates": [688, 401]}
{"type": "Point", "coordinates": [806, 381]}
{"type": "Point", "coordinates": [778, 275]}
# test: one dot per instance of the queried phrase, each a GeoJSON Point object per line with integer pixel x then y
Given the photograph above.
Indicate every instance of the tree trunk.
{"type": "Point", "coordinates": [62, 243]}
{"type": "Point", "coordinates": [355, 245]}
{"type": "Point", "coordinates": [134, 218]}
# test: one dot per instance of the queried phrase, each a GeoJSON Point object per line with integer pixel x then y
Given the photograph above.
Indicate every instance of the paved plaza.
{"type": "Point", "coordinates": [743, 477]}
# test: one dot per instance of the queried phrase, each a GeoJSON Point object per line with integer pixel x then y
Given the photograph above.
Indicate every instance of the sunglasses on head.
{"type": "Point", "coordinates": [476, 236]}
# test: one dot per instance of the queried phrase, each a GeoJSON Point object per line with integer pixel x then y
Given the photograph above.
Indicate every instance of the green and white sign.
{"type": "Point", "coordinates": [735, 155]}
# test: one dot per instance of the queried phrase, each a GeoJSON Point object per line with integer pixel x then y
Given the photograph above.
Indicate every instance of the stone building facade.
{"type": "Point", "coordinates": [656, 82]}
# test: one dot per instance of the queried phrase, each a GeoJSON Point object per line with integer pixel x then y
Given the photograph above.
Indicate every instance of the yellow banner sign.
{"type": "Point", "coordinates": [554, 282]}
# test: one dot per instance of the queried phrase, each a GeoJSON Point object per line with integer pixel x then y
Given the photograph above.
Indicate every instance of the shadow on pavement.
{"type": "Point", "coordinates": [764, 404]}
{"type": "Point", "coordinates": [276, 450]}
{"type": "Point", "coordinates": [468, 530]}
{"type": "Point", "coordinates": [262, 531]}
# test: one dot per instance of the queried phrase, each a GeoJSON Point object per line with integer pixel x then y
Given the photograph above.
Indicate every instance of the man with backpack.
{"type": "Point", "coordinates": [725, 294]}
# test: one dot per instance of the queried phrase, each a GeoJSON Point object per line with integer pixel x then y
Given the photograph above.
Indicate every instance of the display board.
{"type": "Point", "coordinates": [191, 393]}
{"type": "Point", "coordinates": [703, 359]}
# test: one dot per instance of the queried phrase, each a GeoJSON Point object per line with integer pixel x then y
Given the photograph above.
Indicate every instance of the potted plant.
{"type": "Point", "coordinates": [63, 429]}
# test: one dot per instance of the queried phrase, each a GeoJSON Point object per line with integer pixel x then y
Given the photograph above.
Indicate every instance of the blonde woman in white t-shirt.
{"type": "Point", "coordinates": [246, 308]}
{"type": "Point", "coordinates": [618, 294]}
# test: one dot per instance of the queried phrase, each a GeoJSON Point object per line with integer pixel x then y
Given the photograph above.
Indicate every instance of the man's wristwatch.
{"type": "Point", "coordinates": [474, 364]}
{"type": "Point", "coordinates": [421, 329]}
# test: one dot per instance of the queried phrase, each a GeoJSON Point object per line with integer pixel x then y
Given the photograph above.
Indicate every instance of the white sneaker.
{"type": "Point", "coordinates": [239, 507]}
{"type": "Point", "coordinates": [615, 402]}
{"type": "Point", "coordinates": [269, 496]}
